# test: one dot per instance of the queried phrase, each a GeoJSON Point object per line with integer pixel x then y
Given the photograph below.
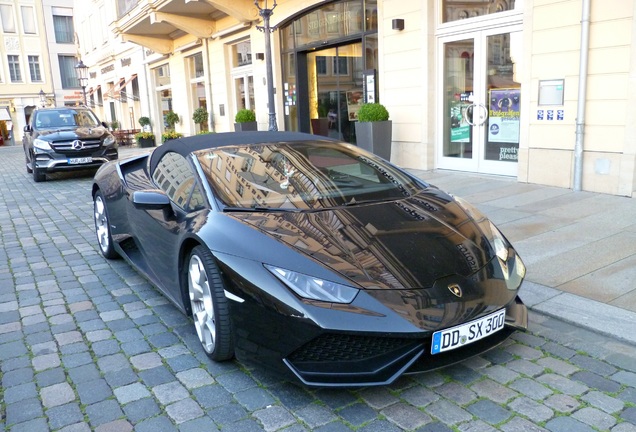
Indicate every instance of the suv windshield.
{"type": "Point", "coordinates": [301, 176]}
{"type": "Point", "coordinates": [62, 118]}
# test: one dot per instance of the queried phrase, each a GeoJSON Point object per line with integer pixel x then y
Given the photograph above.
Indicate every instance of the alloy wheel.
{"type": "Point", "coordinates": [101, 224]}
{"type": "Point", "coordinates": [202, 303]}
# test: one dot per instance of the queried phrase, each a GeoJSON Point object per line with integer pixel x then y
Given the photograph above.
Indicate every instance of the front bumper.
{"type": "Point", "coordinates": [375, 339]}
{"type": "Point", "coordinates": [56, 162]}
{"type": "Point", "coordinates": [341, 360]}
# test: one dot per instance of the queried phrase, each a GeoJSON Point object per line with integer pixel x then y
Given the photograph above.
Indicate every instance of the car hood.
{"type": "Point", "coordinates": [72, 133]}
{"type": "Point", "coordinates": [403, 244]}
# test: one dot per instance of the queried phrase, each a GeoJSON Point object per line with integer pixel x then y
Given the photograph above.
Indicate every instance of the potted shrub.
{"type": "Point", "coordinates": [144, 122]}
{"type": "Point", "coordinates": [373, 129]}
{"type": "Point", "coordinates": [145, 139]}
{"type": "Point", "coordinates": [200, 118]}
{"type": "Point", "coordinates": [172, 118]}
{"type": "Point", "coordinates": [320, 125]}
{"type": "Point", "coordinates": [245, 120]}
{"type": "Point", "coordinates": [170, 134]}
{"type": "Point", "coordinates": [114, 125]}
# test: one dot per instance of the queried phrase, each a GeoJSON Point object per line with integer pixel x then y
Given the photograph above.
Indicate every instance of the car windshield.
{"type": "Point", "coordinates": [62, 118]}
{"type": "Point", "coordinates": [301, 176]}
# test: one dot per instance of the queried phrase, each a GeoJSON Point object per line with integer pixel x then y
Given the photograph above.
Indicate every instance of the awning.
{"type": "Point", "coordinates": [4, 114]}
{"type": "Point", "coordinates": [123, 86]}
{"type": "Point", "coordinates": [114, 89]}
{"type": "Point", "coordinates": [93, 90]}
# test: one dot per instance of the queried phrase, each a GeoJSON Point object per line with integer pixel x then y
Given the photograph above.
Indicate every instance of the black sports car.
{"type": "Point", "coordinates": [311, 256]}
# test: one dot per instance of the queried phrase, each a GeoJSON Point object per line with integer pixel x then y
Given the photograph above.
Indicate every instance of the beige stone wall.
{"type": "Point", "coordinates": [407, 74]}
{"type": "Point", "coordinates": [552, 38]}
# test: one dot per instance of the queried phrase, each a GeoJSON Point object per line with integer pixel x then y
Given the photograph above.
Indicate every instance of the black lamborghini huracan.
{"type": "Point", "coordinates": [311, 256]}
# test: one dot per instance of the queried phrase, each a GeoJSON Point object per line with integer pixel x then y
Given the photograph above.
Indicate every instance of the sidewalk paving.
{"type": "Point", "coordinates": [579, 247]}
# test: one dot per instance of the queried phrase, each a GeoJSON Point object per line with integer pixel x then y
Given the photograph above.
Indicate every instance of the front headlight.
{"type": "Point", "coordinates": [498, 243]}
{"type": "Point", "coordinates": [313, 288]}
{"type": "Point", "coordinates": [109, 140]}
{"type": "Point", "coordinates": [514, 270]}
{"type": "Point", "coordinates": [41, 144]}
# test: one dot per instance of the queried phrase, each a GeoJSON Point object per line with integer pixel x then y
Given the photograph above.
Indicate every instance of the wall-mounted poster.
{"type": "Point", "coordinates": [503, 125]}
{"type": "Point", "coordinates": [369, 86]}
{"type": "Point", "coordinates": [460, 129]}
{"type": "Point", "coordinates": [354, 101]}
{"type": "Point", "coordinates": [503, 119]}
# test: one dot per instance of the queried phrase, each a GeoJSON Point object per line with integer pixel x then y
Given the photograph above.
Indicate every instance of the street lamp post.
{"type": "Point", "coordinates": [265, 13]}
{"type": "Point", "coordinates": [42, 98]}
{"type": "Point", "coordinates": [82, 77]}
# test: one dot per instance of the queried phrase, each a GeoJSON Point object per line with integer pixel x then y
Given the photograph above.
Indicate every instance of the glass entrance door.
{"type": "Point", "coordinates": [480, 102]}
{"type": "Point", "coordinates": [334, 77]}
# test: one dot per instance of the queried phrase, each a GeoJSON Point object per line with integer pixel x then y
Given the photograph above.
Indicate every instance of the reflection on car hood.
{"type": "Point", "coordinates": [403, 244]}
{"type": "Point", "coordinates": [71, 133]}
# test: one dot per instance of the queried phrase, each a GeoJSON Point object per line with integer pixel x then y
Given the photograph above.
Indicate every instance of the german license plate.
{"type": "Point", "coordinates": [455, 337]}
{"type": "Point", "coordinates": [78, 161]}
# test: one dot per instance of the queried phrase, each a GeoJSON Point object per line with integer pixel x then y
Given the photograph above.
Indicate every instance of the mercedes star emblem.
{"type": "Point", "coordinates": [77, 145]}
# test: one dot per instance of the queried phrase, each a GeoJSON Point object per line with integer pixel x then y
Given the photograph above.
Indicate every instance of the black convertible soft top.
{"type": "Point", "coordinates": [185, 146]}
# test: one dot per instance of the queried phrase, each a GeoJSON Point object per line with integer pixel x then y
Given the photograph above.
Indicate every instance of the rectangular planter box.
{"type": "Point", "coordinates": [375, 137]}
{"type": "Point", "coordinates": [247, 126]}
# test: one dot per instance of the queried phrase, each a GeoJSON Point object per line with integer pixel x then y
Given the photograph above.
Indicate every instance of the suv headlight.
{"type": "Point", "coordinates": [109, 140]}
{"type": "Point", "coordinates": [314, 288]}
{"type": "Point", "coordinates": [41, 144]}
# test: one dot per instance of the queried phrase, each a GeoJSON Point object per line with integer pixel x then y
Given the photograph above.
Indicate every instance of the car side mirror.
{"type": "Point", "coordinates": [104, 124]}
{"type": "Point", "coordinates": [150, 199]}
{"type": "Point", "coordinates": [153, 199]}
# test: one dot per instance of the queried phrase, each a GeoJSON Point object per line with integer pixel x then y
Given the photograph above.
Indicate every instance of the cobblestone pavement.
{"type": "Point", "coordinates": [87, 344]}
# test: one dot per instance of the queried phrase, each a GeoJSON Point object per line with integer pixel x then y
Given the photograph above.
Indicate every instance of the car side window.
{"type": "Point", "coordinates": [174, 176]}
{"type": "Point", "coordinates": [45, 119]}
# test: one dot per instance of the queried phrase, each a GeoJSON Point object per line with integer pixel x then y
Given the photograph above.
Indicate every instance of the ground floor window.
{"type": "Point", "coordinates": [330, 67]}
{"type": "Point", "coordinates": [242, 75]}
{"type": "Point", "coordinates": [163, 91]}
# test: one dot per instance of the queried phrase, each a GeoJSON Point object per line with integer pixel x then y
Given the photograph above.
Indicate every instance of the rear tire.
{"type": "Point", "coordinates": [209, 306]}
{"type": "Point", "coordinates": [102, 227]}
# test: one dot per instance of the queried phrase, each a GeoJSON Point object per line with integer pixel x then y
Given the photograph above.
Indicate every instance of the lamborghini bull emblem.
{"type": "Point", "coordinates": [455, 289]}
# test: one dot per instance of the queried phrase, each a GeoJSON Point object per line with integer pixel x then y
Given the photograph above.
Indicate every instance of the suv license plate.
{"type": "Point", "coordinates": [455, 337]}
{"type": "Point", "coordinates": [77, 161]}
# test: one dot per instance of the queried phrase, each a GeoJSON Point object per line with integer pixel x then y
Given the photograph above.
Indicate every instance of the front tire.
{"type": "Point", "coordinates": [210, 309]}
{"type": "Point", "coordinates": [38, 175]}
{"type": "Point", "coordinates": [102, 227]}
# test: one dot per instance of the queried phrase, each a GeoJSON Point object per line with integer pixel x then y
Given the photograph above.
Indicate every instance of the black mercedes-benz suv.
{"type": "Point", "coordinates": [66, 138]}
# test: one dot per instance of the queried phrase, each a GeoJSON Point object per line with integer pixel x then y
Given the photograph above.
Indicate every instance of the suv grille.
{"type": "Point", "coordinates": [64, 146]}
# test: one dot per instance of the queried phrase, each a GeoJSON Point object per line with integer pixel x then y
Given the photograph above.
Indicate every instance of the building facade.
{"type": "Point", "coordinates": [37, 64]}
{"type": "Point", "coordinates": [541, 91]}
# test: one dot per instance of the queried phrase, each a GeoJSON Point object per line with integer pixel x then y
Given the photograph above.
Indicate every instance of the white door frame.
{"type": "Point", "coordinates": [476, 163]}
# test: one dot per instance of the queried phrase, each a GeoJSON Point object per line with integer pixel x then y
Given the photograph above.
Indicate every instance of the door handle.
{"type": "Point", "coordinates": [482, 112]}
{"type": "Point", "coordinates": [468, 114]}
